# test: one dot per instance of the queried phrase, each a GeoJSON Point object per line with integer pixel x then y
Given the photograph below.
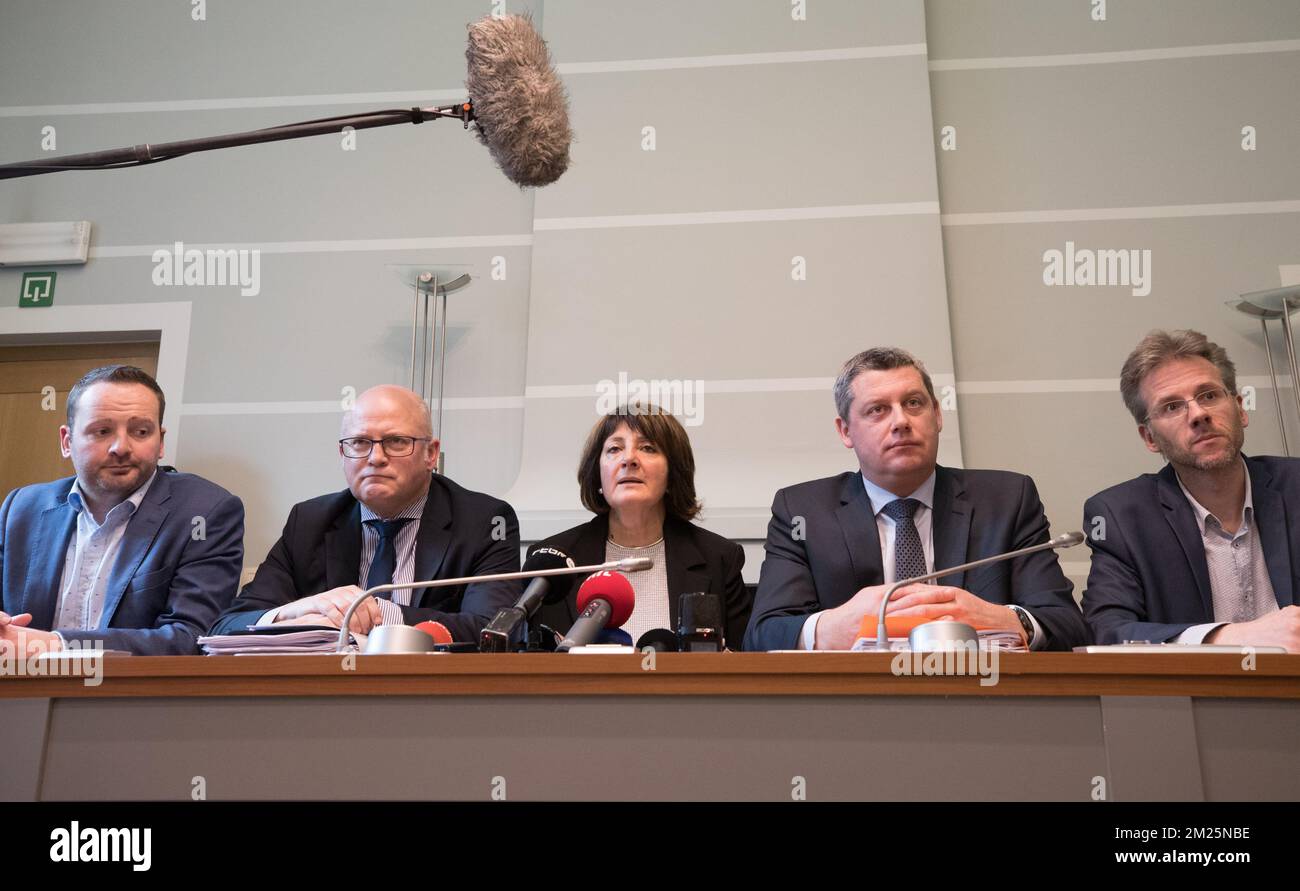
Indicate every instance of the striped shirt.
{"type": "Point", "coordinates": [404, 570]}
{"type": "Point", "coordinates": [89, 560]}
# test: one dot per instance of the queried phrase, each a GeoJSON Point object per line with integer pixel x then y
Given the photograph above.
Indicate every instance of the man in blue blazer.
{"type": "Point", "coordinates": [396, 522]}
{"type": "Point", "coordinates": [126, 553]}
{"type": "Point", "coordinates": [834, 545]}
{"type": "Point", "coordinates": [1208, 549]}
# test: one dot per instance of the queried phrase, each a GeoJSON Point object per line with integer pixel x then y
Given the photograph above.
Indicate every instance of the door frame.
{"type": "Point", "coordinates": [106, 323]}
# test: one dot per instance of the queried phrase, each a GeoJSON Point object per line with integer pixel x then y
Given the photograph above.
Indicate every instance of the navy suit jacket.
{"type": "Point", "coordinates": [835, 551]}
{"type": "Point", "coordinates": [462, 533]}
{"type": "Point", "coordinates": [1149, 579]}
{"type": "Point", "coordinates": [698, 560]}
{"type": "Point", "coordinates": [168, 582]}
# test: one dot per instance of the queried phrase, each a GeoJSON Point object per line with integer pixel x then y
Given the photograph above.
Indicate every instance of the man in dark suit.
{"type": "Point", "coordinates": [835, 545]}
{"type": "Point", "coordinates": [396, 522]}
{"type": "Point", "coordinates": [125, 554]}
{"type": "Point", "coordinates": [1208, 549]}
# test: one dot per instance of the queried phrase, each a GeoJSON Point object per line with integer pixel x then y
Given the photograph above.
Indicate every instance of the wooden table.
{"type": "Point", "coordinates": [730, 726]}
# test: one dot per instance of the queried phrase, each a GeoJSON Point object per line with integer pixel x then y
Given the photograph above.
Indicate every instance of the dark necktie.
{"type": "Point", "coordinates": [384, 563]}
{"type": "Point", "coordinates": [909, 555]}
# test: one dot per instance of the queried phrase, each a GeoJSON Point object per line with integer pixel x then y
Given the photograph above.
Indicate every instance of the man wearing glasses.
{"type": "Point", "coordinates": [1208, 549]}
{"type": "Point", "coordinates": [396, 522]}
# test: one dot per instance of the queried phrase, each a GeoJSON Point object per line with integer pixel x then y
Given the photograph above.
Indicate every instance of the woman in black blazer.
{"type": "Point", "coordinates": [637, 475]}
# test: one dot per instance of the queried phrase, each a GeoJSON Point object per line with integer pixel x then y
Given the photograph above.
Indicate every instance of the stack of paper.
{"type": "Point", "coordinates": [278, 640]}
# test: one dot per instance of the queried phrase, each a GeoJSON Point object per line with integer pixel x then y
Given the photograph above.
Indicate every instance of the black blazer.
{"type": "Point", "coordinates": [1149, 579]}
{"type": "Point", "coordinates": [823, 561]}
{"type": "Point", "coordinates": [698, 560]}
{"type": "Point", "coordinates": [461, 533]}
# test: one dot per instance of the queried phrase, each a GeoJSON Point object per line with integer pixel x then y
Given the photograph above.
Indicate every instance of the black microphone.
{"type": "Point", "coordinates": [661, 640]}
{"type": "Point", "coordinates": [520, 109]}
{"type": "Point", "coordinates": [699, 624]}
{"type": "Point", "coordinates": [497, 634]}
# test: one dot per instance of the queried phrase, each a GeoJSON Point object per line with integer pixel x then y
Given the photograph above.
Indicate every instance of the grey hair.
{"type": "Point", "coordinates": [1159, 347]}
{"type": "Point", "coordinates": [875, 359]}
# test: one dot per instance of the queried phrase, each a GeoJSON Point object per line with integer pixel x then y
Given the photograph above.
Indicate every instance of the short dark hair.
{"type": "Point", "coordinates": [875, 359]}
{"type": "Point", "coordinates": [665, 431]}
{"type": "Point", "coordinates": [1159, 347]}
{"type": "Point", "coordinates": [114, 374]}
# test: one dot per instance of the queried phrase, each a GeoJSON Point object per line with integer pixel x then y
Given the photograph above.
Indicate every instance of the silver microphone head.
{"type": "Point", "coordinates": [635, 564]}
{"type": "Point", "coordinates": [1069, 540]}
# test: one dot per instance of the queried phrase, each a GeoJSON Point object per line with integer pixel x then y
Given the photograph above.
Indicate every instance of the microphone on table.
{"type": "Point", "coordinates": [517, 103]}
{"type": "Point", "coordinates": [605, 601]}
{"type": "Point", "coordinates": [699, 626]}
{"type": "Point", "coordinates": [661, 640]}
{"type": "Point", "coordinates": [436, 630]}
{"type": "Point", "coordinates": [1067, 540]}
{"type": "Point", "coordinates": [631, 564]}
{"type": "Point", "coordinates": [497, 635]}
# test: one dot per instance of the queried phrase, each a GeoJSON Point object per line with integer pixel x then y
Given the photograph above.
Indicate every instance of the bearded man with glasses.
{"type": "Point", "coordinates": [397, 521]}
{"type": "Point", "coordinates": [1208, 549]}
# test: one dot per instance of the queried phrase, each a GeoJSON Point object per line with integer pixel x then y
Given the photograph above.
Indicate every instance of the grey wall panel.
{"type": "Point", "coordinates": [1120, 135]}
{"type": "Point", "coordinates": [960, 29]}
{"type": "Point", "coordinates": [1012, 326]}
{"type": "Point", "coordinates": [719, 302]}
{"type": "Point", "coordinates": [761, 136]}
{"type": "Point", "coordinates": [581, 31]}
{"type": "Point", "coordinates": [144, 50]}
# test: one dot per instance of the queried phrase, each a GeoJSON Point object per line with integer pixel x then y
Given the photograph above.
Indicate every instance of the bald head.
{"type": "Point", "coordinates": [390, 401]}
{"type": "Point", "coordinates": [396, 472]}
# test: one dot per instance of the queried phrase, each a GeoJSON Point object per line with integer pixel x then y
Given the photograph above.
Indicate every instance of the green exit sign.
{"type": "Point", "coordinates": [37, 290]}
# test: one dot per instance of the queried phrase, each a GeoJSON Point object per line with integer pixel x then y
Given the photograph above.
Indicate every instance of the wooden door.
{"type": "Point", "coordinates": [30, 414]}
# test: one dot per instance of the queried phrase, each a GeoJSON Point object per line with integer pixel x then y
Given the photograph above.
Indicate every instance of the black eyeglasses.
{"type": "Point", "coordinates": [394, 446]}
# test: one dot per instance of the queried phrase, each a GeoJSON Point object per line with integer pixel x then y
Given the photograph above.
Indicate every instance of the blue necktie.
{"type": "Point", "coordinates": [909, 555]}
{"type": "Point", "coordinates": [384, 564]}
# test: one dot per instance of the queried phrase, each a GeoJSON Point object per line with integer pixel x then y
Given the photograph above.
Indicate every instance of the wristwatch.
{"type": "Point", "coordinates": [1025, 622]}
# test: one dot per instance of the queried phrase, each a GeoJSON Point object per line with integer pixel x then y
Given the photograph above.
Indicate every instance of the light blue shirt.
{"type": "Point", "coordinates": [89, 561]}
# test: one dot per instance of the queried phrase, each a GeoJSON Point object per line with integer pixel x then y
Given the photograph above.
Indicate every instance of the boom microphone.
{"type": "Point", "coordinates": [521, 111]}
{"type": "Point", "coordinates": [517, 104]}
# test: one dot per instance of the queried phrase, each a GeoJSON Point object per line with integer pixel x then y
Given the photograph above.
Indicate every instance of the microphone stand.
{"type": "Point", "coordinates": [1068, 540]}
{"type": "Point", "coordinates": [631, 564]}
{"type": "Point", "coordinates": [139, 155]}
